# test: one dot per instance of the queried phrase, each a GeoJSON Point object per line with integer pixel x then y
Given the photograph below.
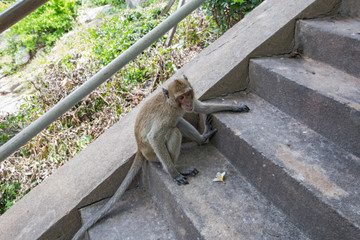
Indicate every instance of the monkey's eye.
{"type": "Point", "coordinates": [181, 97]}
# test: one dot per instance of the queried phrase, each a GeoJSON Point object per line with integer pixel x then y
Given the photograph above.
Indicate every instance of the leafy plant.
{"type": "Point", "coordinates": [5, 4]}
{"type": "Point", "coordinates": [226, 13]}
{"type": "Point", "coordinates": [39, 29]}
{"type": "Point", "coordinates": [118, 3]}
{"type": "Point", "coordinates": [118, 33]}
{"type": "Point", "coordinates": [10, 126]}
{"type": "Point", "coordinates": [8, 193]}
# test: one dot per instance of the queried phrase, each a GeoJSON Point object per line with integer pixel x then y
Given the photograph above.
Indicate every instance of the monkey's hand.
{"type": "Point", "coordinates": [241, 108]}
{"type": "Point", "coordinates": [180, 180]}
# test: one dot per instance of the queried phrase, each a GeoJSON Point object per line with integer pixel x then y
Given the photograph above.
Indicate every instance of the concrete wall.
{"type": "Point", "coordinates": [50, 210]}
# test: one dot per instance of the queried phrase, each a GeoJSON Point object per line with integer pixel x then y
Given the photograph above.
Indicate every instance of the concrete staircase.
{"type": "Point", "coordinates": [292, 163]}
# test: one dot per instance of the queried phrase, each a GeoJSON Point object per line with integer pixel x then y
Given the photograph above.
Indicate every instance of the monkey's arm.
{"type": "Point", "coordinates": [191, 132]}
{"type": "Point", "coordinates": [158, 140]}
{"type": "Point", "coordinates": [207, 108]}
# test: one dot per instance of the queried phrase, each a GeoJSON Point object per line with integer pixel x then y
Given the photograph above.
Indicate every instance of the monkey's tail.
{"type": "Point", "coordinates": [138, 161]}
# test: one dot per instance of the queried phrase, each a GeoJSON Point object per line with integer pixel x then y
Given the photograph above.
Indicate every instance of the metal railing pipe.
{"type": "Point", "coordinates": [18, 11]}
{"type": "Point", "coordinates": [64, 105]}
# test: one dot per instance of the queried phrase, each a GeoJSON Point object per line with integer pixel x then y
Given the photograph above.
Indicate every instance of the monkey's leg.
{"type": "Point", "coordinates": [207, 108]}
{"type": "Point", "coordinates": [174, 144]}
{"type": "Point", "coordinates": [167, 149]}
{"type": "Point", "coordinates": [191, 132]}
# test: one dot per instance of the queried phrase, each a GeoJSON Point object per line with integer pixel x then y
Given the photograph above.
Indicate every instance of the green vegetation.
{"type": "Point", "coordinates": [40, 29]}
{"type": "Point", "coordinates": [118, 3]}
{"type": "Point", "coordinates": [110, 42]}
{"type": "Point", "coordinates": [73, 61]}
{"type": "Point", "coordinates": [225, 13]}
{"type": "Point", "coordinates": [6, 3]}
{"type": "Point", "coordinates": [9, 193]}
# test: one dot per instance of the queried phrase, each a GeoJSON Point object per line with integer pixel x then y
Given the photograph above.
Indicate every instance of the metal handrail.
{"type": "Point", "coordinates": [64, 105]}
{"type": "Point", "coordinates": [18, 11]}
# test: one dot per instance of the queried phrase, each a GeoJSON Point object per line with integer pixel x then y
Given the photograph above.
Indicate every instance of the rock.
{"type": "Point", "coordinates": [108, 10]}
{"type": "Point", "coordinates": [22, 56]}
{"type": "Point", "coordinates": [134, 3]}
{"type": "Point", "coordinates": [87, 15]}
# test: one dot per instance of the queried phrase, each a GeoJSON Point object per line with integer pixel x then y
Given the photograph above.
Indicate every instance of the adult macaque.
{"type": "Point", "coordinates": [158, 129]}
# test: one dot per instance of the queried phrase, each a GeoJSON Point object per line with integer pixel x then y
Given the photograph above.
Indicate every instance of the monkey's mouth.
{"type": "Point", "coordinates": [188, 108]}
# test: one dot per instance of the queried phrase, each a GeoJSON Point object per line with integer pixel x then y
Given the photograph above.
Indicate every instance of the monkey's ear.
{"type": "Point", "coordinates": [166, 93]}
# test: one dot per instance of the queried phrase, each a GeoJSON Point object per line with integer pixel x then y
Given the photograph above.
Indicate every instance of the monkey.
{"type": "Point", "coordinates": [159, 127]}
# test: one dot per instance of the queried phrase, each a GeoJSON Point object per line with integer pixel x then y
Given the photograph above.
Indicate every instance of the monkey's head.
{"type": "Point", "coordinates": [180, 93]}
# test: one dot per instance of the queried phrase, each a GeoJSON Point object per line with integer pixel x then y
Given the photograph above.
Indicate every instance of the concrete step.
{"type": "Point", "coordinates": [323, 97]}
{"type": "Point", "coordinates": [135, 217]}
{"type": "Point", "coordinates": [310, 178]}
{"type": "Point", "coordinates": [204, 209]}
{"type": "Point", "coordinates": [333, 41]}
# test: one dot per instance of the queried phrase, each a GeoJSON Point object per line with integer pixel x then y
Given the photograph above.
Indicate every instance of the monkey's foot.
{"type": "Point", "coordinates": [189, 171]}
{"type": "Point", "coordinates": [208, 122]}
{"type": "Point", "coordinates": [180, 180]}
{"type": "Point", "coordinates": [208, 135]}
{"type": "Point", "coordinates": [241, 108]}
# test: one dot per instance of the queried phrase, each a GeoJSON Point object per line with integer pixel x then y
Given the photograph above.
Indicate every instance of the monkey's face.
{"type": "Point", "coordinates": [186, 100]}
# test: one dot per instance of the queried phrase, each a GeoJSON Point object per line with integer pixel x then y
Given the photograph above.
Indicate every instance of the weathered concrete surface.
{"type": "Point", "coordinates": [49, 211]}
{"type": "Point", "coordinates": [134, 217]}
{"type": "Point", "coordinates": [204, 209]}
{"type": "Point", "coordinates": [333, 41]}
{"type": "Point", "coordinates": [311, 179]}
{"type": "Point", "coordinates": [51, 208]}
{"type": "Point", "coordinates": [267, 30]}
{"type": "Point", "coordinates": [350, 8]}
{"type": "Point", "coordinates": [326, 99]}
